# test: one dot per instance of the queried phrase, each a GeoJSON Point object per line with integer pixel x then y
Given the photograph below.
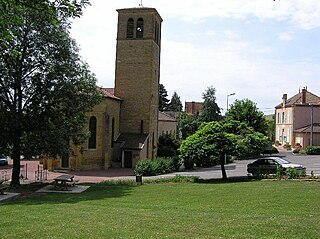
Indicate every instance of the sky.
{"type": "Point", "coordinates": [257, 49]}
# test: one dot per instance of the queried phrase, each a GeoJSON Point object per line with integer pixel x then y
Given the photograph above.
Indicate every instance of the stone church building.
{"type": "Point", "coordinates": [124, 126]}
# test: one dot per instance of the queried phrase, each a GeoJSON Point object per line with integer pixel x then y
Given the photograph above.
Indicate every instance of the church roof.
{"type": "Point", "coordinates": [132, 141]}
{"type": "Point", "coordinates": [166, 117]}
{"type": "Point", "coordinates": [108, 92]}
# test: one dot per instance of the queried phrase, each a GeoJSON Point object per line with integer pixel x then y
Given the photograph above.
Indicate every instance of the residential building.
{"type": "Point", "coordinates": [167, 125]}
{"type": "Point", "coordinates": [298, 118]}
{"type": "Point", "coordinates": [193, 108]}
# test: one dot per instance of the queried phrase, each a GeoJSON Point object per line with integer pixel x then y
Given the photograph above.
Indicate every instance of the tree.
{"type": "Point", "coordinates": [211, 110]}
{"type": "Point", "coordinates": [214, 140]}
{"type": "Point", "coordinates": [168, 146]}
{"type": "Point", "coordinates": [188, 124]}
{"type": "Point", "coordinates": [163, 101]}
{"type": "Point", "coordinates": [46, 89]}
{"type": "Point", "coordinates": [175, 103]}
{"type": "Point", "coordinates": [247, 111]}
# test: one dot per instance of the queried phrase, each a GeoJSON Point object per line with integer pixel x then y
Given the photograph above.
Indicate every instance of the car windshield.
{"type": "Point", "coordinates": [281, 161]}
{"type": "Point", "coordinates": [2, 156]}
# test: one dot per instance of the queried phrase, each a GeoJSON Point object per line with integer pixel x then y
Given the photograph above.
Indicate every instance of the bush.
{"type": "Point", "coordinates": [313, 150]}
{"type": "Point", "coordinates": [168, 146]}
{"type": "Point", "coordinates": [158, 166]}
{"type": "Point", "coordinates": [293, 173]}
{"type": "Point", "coordinates": [144, 167]}
{"type": "Point", "coordinates": [296, 150]}
{"type": "Point", "coordinates": [287, 146]}
{"type": "Point", "coordinates": [280, 172]}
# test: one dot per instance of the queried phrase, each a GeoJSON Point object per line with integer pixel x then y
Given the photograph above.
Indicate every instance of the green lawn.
{"type": "Point", "coordinates": [257, 209]}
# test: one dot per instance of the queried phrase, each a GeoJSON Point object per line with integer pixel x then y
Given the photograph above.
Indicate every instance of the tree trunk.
{"type": "Point", "coordinates": [16, 151]}
{"type": "Point", "coordinates": [223, 170]}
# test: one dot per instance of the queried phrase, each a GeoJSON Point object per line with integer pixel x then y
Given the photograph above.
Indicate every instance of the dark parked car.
{"type": "Point", "coordinates": [268, 165]}
{"type": "Point", "coordinates": [3, 160]}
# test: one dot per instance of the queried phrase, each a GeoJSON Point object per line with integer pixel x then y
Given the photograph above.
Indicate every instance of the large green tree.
{"type": "Point", "coordinates": [215, 140]}
{"type": "Point", "coordinates": [163, 100]}
{"type": "Point", "coordinates": [211, 110]}
{"type": "Point", "coordinates": [247, 111]}
{"type": "Point", "coordinates": [188, 124]}
{"type": "Point", "coordinates": [45, 87]}
{"type": "Point", "coordinates": [175, 103]}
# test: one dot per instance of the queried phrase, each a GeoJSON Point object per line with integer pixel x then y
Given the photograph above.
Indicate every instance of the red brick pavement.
{"type": "Point", "coordinates": [90, 176]}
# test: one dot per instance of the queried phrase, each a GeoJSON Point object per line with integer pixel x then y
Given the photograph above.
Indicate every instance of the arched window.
{"type": "Point", "coordinates": [139, 30]}
{"type": "Point", "coordinates": [130, 27]}
{"type": "Point", "coordinates": [93, 133]}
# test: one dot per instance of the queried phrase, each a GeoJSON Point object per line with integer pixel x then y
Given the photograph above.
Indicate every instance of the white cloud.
{"type": "Point", "coordinates": [189, 67]}
{"type": "Point", "coordinates": [285, 36]}
{"type": "Point", "coordinates": [232, 35]}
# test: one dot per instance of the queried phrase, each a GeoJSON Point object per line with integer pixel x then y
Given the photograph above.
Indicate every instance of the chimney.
{"type": "Point", "coordinates": [284, 100]}
{"type": "Point", "coordinates": [304, 96]}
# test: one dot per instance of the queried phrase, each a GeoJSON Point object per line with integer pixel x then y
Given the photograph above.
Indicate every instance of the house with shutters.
{"type": "Point", "coordinates": [298, 119]}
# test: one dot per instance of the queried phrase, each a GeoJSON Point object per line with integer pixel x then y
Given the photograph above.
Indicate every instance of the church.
{"type": "Point", "coordinates": [124, 126]}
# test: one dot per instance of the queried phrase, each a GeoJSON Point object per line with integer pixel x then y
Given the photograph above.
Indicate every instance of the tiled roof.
{"type": "Point", "coordinates": [132, 141]}
{"type": "Point", "coordinates": [311, 99]}
{"type": "Point", "coordinates": [307, 129]}
{"type": "Point", "coordinates": [108, 92]}
{"type": "Point", "coordinates": [165, 117]}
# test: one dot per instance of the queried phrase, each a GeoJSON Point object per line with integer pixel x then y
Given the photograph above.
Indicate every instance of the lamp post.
{"type": "Point", "coordinates": [228, 100]}
{"type": "Point", "coordinates": [225, 155]}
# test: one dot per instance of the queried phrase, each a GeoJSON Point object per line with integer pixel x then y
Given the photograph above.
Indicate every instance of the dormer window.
{"type": "Point", "coordinates": [139, 29]}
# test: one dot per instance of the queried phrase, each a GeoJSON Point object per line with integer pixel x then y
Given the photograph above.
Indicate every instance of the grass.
{"type": "Point", "coordinates": [257, 209]}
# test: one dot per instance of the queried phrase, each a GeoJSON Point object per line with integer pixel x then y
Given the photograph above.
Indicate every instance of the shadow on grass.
{"type": "Point", "coordinates": [105, 190]}
{"type": "Point", "coordinates": [238, 179]}
{"type": "Point", "coordinates": [99, 191]}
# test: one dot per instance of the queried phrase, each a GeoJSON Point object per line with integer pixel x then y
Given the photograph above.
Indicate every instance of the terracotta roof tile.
{"type": "Point", "coordinates": [108, 92]}
{"type": "Point", "coordinates": [311, 99]}
{"type": "Point", "coordinates": [165, 117]}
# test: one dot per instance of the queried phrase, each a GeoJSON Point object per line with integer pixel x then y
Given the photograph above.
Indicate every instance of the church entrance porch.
{"type": "Point", "coordinates": [127, 159]}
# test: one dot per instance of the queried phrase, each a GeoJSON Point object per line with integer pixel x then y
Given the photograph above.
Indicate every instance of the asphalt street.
{"type": "Point", "coordinates": [239, 168]}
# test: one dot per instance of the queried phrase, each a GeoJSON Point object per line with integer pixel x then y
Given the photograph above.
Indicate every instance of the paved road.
{"type": "Point", "coordinates": [239, 168]}
{"type": "Point", "coordinates": [236, 169]}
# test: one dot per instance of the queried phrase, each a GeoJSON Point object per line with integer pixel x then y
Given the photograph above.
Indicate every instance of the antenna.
{"type": "Point", "coordinates": [141, 5]}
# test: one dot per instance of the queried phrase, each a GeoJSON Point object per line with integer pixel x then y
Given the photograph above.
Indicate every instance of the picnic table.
{"type": "Point", "coordinates": [64, 181]}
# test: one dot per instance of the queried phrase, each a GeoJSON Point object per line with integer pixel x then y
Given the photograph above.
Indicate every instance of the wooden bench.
{"type": "Point", "coordinates": [63, 182]}
{"type": "Point", "coordinates": [73, 183]}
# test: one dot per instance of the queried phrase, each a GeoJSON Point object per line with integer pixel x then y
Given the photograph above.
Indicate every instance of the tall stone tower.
{"type": "Point", "coordinates": [138, 71]}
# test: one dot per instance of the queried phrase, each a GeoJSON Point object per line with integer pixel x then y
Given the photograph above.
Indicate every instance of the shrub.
{"type": "Point", "coordinates": [144, 167]}
{"type": "Point", "coordinates": [275, 150]}
{"type": "Point", "coordinates": [280, 172]}
{"type": "Point", "coordinates": [296, 150]}
{"type": "Point", "coordinates": [168, 146]}
{"type": "Point", "coordinates": [158, 166]}
{"type": "Point", "coordinates": [313, 150]}
{"type": "Point", "coordinates": [293, 173]}
{"type": "Point", "coordinates": [287, 146]}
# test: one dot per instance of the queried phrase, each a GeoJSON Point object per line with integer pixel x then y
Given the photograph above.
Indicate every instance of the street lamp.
{"type": "Point", "coordinates": [228, 100]}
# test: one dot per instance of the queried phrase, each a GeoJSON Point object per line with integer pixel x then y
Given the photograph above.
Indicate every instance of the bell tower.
{"type": "Point", "coordinates": [138, 71]}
